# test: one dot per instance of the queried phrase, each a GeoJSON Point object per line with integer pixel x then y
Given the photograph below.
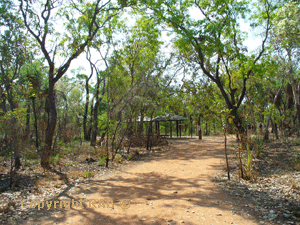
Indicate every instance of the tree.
{"type": "Point", "coordinates": [213, 44]}
{"type": "Point", "coordinates": [286, 39]}
{"type": "Point", "coordinates": [81, 21]}
{"type": "Point", "coordinates": [14, 54]}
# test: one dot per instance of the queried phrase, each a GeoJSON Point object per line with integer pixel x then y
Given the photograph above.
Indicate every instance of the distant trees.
{"type": "Point", "coordinates": [14, 54]}
{"type": "Point", "coordinates": [286, 44]}
{"type": "Point", "coordinates": [213, 43]}
{"type": "Point", "coordinates": [132, 70]}
{"type": "Point", "coordinates": [81, 21]}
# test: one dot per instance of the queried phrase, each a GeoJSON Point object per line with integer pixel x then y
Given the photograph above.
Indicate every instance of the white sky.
{"type": "Point", "coordinates": [252, 42]}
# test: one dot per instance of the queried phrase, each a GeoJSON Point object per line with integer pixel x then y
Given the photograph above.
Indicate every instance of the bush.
{"type": "Point", "coordinates": [118, 158]}
{"type": "Point", "coordinates": [88, 174]}
{"type": "Point", "coordinates": [31, 153]}
{"type": "Point", "coordinates": [102, 161]}
{"type": "Point", "coordinates": [55, 160]}
{"type": "Point", "coordinates": [31, 162]}
{"type": "Point", "coordinates": [66, 151]}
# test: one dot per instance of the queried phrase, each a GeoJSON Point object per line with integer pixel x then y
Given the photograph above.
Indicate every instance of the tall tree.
{"type": "Point", "coordinates": [212, 43]}
{"type": "Point", "coordinates": [14, 52]}
{"type": "Point", "coordinates": [80, 21]}
{"type": "Point", "coordinates": [286, 41]}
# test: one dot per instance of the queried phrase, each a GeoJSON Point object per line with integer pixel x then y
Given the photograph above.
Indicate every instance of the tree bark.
{"type": "Point", "coordinates": [86, 132]}
{"type": "Point", "coordinates": [35, 124]}
{"type": "Point", "coordinates": [199, 128]}
{"type": "Point", "coordinates": [50, 107]}
{"type": "Point", "coordinates": [96, 108]}
{"type": "Point", "coordinates": [27, 127]}
{"type": "Point", "coordinates": [298, 116]}
{"type": "Point", "coordinates": [14, 130]}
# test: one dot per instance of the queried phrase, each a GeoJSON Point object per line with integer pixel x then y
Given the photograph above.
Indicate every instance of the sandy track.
{"type": "Point", "coordinates": [172, 187]}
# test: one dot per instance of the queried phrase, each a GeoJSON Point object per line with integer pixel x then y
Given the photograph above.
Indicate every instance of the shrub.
{"type": "Point", "coordinates": [88, 174]}
{"type": "Point", "coordinates": [66, 151]}
{"type": "Point", "coordinates": [55, 160]}
{"type": "Point", "coordinates": [118, 158]}
{"type": "Point", "coordinates": [102, 161]}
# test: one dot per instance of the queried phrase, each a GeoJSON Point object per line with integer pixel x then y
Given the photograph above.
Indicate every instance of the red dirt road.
{"type": "Point", "coordinates": [174, 186]}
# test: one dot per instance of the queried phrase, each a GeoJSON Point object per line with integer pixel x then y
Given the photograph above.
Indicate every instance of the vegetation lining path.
{"type": "Point", "coordinates": [174, 187]}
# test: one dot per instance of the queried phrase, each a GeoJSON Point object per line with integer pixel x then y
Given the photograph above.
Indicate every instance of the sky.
{"type": "Point", "coordinates": [252, 42]}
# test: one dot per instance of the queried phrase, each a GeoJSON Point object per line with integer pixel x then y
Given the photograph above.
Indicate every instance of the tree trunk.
{"type": "Point", "coordinates": [199, 128]}
{"type": "Point", "coordinates": [87, 102]}
{"type": "Point", "coordinates": [35, 124]}
{"type": "Point", "coordinates": [14, 130]}
{"type": "Point", "coordinates": [191, 119]}
{"type": "Point", "coordinates": [2, 102]}
{"type": "Point", "coordinates": [270, 115]}
{"type": "Point", "coordinates": [226, 154]}
{"type": "Point", "coordinates": [27, 127]}
{"type": "Point", "coordinates": [95, 116]}
{"type": "Point", "coordinates": [50, 108]}
{"type": "Point", "coordinates": [243, 137]}
{"type": "Point", "coordinates": [141, 127]}
{"type": "Point", "coordinates": [298, 115]}
{"type": "Point", "coordinates": [14, 143]}
{"type": "Point", "coordinates": [95, 124]}
{"type": "Point", "coordinates": [275, 130]}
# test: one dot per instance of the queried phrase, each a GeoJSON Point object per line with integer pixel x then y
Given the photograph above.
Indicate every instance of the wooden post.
{"type": "Point", "coordinates": [199, 127]}
{"type": "Point", "coordinates": [166, 128]}
{"type": "Point", "coordinates": [191, 126]}
{"type": "Point", "coordinates": [180, 125]}
{"type": "Point", "coordinates": [177, 127]}
{"type": "Point", "coordinates": [158, 128]}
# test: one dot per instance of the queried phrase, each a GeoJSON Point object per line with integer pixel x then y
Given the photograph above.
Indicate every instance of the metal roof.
{"type": "Point", "coordinates": [169, 117]}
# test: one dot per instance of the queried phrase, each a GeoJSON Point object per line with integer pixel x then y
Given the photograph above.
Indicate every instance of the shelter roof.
{"type": "Point", "coordinates": [169, 117]}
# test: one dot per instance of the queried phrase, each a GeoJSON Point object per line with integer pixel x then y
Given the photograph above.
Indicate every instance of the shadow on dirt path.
{"type": "Point", "coordinates": [170, 187]}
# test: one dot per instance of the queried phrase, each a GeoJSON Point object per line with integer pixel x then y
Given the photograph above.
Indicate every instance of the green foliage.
{"type": "Point", "coordinates": [30, 153]}
{"type": "Point", "coordinates": [248, 170]}
{"type": "Point", "coordinates": [66, 151]}
{"type": "Point", "coordinates": [102, 161]}
{"type": "Point", "coordinates": [295, 162]}
{"type": "Point", "coordinates": [258, 146]}
{"type": "Point", "coordinates": [287, 25]}
{"type": "Point", "coordinates": [88, 174]}
{"type": "Point", "coordinates": [118, 158]}
{"type": "Point", "coordinates": [55, 160]}
{"type": "Point", "coordinates": [128, 157]}
{"type": "Point", "coordinates": [31, 162]}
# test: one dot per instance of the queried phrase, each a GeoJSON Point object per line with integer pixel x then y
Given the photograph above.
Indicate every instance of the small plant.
{"type": "Point", "coordinates": [69, 164]}
{"type": "Point", "coordinates": [128, 157]}
{"type": "Point", "coordinates": [295, 164]}
{"type": "Point", "coordinates": [259, 146]}
{"type": "Point", "coordinates": [66, 151]}
{"type": "Point", "coordinates": [75, 175]}
{"type": "Point", "coordinates": [88, 174]}
{"type": "Point", "coordinates": [118, 158]}
{"type": "Point", "coordinates": [31, 162]}
{"type": "Point", "coordinates": [31, 153]}
{"type": "Point", "coordinates": [55, 160]}
{"type": "Point", "coordinates": [297, 141]}
{"type": "Point", "coordinates": [102, 161]}
{"type": "Point", "coordinates": [247, 168]}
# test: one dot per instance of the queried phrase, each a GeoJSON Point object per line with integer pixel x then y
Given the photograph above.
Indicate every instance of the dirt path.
{"type": "Point", "coordinates": [172, 187]}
